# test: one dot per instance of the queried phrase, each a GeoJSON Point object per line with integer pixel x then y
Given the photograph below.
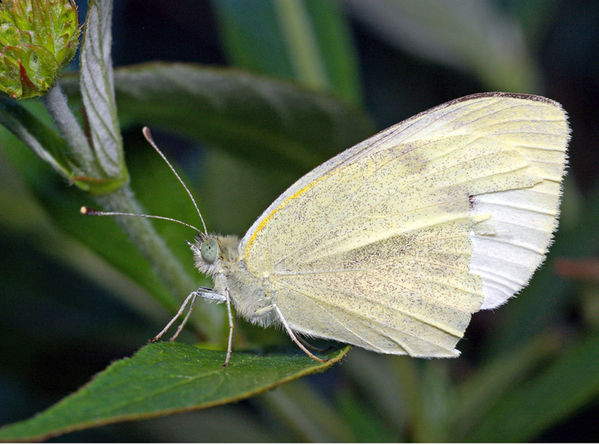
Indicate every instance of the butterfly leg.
{"type": "Point", "coordinates": [309, 346]}
{"type": "Point", "coordinates": [203, 292]}
{"type": "Point", "coordinates": [294, 338]}
{"type": "Point", "coordinates": [231, 328]}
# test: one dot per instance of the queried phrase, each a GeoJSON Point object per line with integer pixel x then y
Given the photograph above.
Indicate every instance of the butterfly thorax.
{"type": "Point", "coordinates": [218, 257]}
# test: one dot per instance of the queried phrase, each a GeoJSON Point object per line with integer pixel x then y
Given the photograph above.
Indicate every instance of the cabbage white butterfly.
{"type": "Point", "coordinates": [394, 243]}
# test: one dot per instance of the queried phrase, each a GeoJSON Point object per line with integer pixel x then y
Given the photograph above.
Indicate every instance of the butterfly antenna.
{"type": "Point", "coordinates": [93, 212]}
{"type": "Point", "coordinates": [148, 135]}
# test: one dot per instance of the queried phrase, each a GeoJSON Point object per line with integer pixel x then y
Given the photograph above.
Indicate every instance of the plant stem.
{"type": "Point", "coordinates": [209, 317]}
{"type": "Point", "coordinates": [65, 120]}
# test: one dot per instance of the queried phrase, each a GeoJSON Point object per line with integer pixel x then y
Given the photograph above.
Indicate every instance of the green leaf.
{"type": "Point", "coordinates": [526, 410]}
{"type": "Point", "coordinates": [307, 413]}
{"type": "Point", "coordinates": [301, 44]}
{"type": "Point", "coordinates": [97, 87]}
{"type": "Point", "coordinates": [43, 140]}
{"type": "Point", "coordinates": [476, 395]}
{"type": "Point", "coordinates": [165, 378]}
{"type": "Point", "coordinates": [308, 41]}
{"type": "Point", "coordinates": [376, 377]}
{"type": "Point", "coordinates": [471, 35]}
{"type": "Point", "coordinates": [251, 37]}
{"type": "Point", "coordinates": [436, 394]}
{"type": "Point", "coordinates": [332, 30]}
{"type": "Point", "coordinates": [264, 121]}
{"type": "Point", "coordinates": [364, 421]}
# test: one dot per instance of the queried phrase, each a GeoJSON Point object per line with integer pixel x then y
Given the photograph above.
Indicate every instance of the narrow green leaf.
{"type": "Point", "coordinates": [471, 35]}
{"type": "Point", "coordinates": [334, 36]}
{"type": "Point", "coordinates": [252, 37]}
{"type": "Point", "coordinates": [476, 395]}
{"type": "Point", "coordinates": [376, 377]}
{"type": "Point", "coordinates": [165, 378]}
{"type": "Point", "coordinates": [436, 396]}
{"type": "Point", "coordinates": [425, 394]}
{"type": "Point", "coordinates": [307, 413]}
{"type": "Point", "coordinates": [563, 387]}
{"type": "Point", "coordinates": [97, 87]}
{"type": "Point", "coordinates": [409, 378]}
{"type": "Point", "coordinates": [44, 141]}
{"type": "Point", "coordinates": [365, 422]}
{"type": "Point", "coordinates": [301, 44]}
{"type": "Point", "coordinates": [305, 40]}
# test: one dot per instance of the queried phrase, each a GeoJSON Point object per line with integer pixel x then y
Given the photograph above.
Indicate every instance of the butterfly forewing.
{"type": "Point", "coordinates": [394, 243]}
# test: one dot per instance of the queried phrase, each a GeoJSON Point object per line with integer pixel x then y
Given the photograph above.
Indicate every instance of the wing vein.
{"type": "Point", "coordinates": [416, 317]}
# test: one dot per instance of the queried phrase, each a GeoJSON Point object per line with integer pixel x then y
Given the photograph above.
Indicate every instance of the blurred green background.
{"type": "Point", "coordinates": [529, 371]}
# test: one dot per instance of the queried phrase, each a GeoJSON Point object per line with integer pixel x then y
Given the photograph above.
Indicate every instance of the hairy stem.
{"type": "Point", "coordinates": [65, 120]}
{"type": "Point", "coordinates": [209, 318]}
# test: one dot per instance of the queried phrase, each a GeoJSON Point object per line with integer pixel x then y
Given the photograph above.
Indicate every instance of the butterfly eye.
{"type": "Point", "coordinates": [209, 250]}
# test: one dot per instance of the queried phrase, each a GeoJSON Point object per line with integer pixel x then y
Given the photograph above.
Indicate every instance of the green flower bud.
{"type": "Point", "coordinates": [38, 38]}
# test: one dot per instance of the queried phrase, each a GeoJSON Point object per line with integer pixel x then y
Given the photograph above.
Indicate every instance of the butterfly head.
{"type": "Point", "coordinates": [212, 251]}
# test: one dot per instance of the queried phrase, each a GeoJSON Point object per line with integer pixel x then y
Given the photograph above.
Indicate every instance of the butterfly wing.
{"type": "Point", "coordinates": [394, 243]}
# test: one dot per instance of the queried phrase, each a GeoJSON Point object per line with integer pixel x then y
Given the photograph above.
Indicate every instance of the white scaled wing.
{"type": "Point", "coordinates": [394, 243]}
